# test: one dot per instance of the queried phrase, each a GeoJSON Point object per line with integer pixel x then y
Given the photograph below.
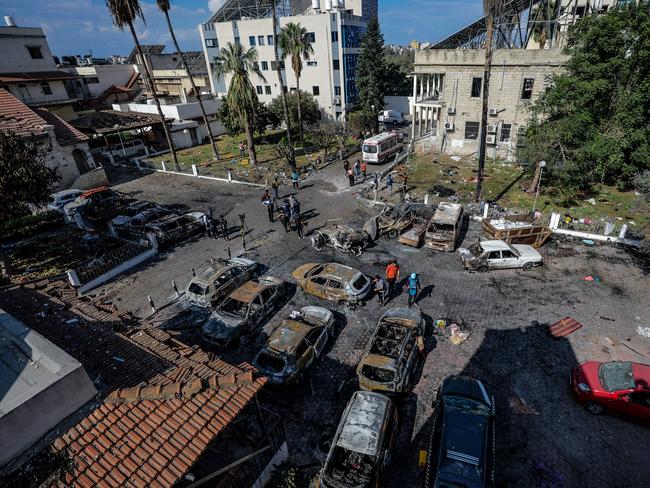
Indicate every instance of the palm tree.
{"type": "Point", "coordinates": [285, 104]}
{"type": "Point", "coordinates": [543, 16]}
{"type": "Point", "coordinates": [124, 13]}
{"type": "Point", "coordinates": [491, 9]}
{"type": "Point", "coordinates": [294, 42]}
{"type": "Point", "coordinates": [241, 97]}
{"type": "Point", "coordinates": [164, 6]}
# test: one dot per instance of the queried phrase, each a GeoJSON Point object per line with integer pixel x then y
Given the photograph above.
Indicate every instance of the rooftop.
{"type": "Point", "coordinates": [104, 121]}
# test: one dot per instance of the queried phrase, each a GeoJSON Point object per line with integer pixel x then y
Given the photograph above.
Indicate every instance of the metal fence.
{"type": "Point", "coordinates": [109, 261]}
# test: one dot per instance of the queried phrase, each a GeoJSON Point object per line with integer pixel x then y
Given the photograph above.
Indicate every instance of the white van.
{"type": "Point", "coordinates": [379, 148]}
{"type": "Point", "coordinates": [392, 117]}
{"type": "Point", "coordinates": [126, 149]}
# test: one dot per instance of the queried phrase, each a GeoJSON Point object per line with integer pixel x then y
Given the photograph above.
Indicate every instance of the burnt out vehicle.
{"type": "Point", "coordinates": [334, 282]}
{"type": "Point", "coordinates": [175, 228]}
{"type": "Point", "coordinates": [215, 282]}
{"type": "Point", "coordinates": [245, 309]}
{"type": "Point", "coordinates": [137, 223]}
{"type": "Point", "coordinates": [342, 238]}
{"type": "Point", "coordinates": [461, 448]}
{"type": "Point", "coordinates": [393, 220]}
{"type": "Point", "coordinates": [443, 230]}
{"type": "Point", "coordinates": [121, 222]}
{"type": "Point", "coordinates": [297, 343]}
{"type": "Point", "coordinates": [361, 449]}
{"type": "Point", "coordinates": [97, 205]}
{"type": "Point", "coordinates": [391, 357]}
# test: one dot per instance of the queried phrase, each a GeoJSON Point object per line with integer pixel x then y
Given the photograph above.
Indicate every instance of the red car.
{"type": "Point", "coordinates": [621, 388]}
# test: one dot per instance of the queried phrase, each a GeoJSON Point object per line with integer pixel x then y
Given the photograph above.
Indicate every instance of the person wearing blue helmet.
{"type": "Point", "coordinates": [413, 287]}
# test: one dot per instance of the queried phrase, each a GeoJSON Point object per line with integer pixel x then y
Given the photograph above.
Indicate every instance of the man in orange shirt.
{"type": "Point", "coordinates": [392, 275]}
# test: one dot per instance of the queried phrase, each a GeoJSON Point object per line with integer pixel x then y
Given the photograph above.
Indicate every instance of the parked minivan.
{"type": "Point", "coordinates": [392, 117]}
{"type": "Point", "coordinates": [361, 449]}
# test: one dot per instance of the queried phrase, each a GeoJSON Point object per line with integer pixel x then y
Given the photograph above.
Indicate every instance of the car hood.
{"type": "Point", "coordinates": [526, 252]}
{"type": "Point", "coordinates": [220, 327]}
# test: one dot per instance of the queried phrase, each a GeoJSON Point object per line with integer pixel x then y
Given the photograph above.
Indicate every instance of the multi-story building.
{"type": "Point", "coordinates": [335, 29]}
{"type": "Point", "coordinates": [29, 72]}
{"type": "Point", "coordinates": [448, 76]}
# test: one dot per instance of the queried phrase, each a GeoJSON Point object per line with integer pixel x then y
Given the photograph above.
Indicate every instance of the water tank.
{"type": "Point", "coordinates": [328, 5]}
{"type": "Point", "coordinates": [9, 20]}
{"type": "Point", "coordinates": [315, 4]}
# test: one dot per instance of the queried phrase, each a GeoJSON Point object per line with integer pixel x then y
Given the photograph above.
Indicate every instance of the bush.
{"type": "Point", "coordinates": [30, 225]}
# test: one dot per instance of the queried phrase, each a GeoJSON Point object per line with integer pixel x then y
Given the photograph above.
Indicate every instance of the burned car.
{"type": "Point", "coordinates": [120, 223]}
{"type": "Point", "coordinates": [175, 228]}
{"type": "Point", "coordinates": [485, 255]}
{"type": "Point", "coordinates": [393, 220]}
{"type": "Point", "coordinates": [461, 449]}
{"type": "Point", "coordinates": [295, 345]}
{"type": "Point", "coordinates": [361, 449]}
{"type": "Point", "coordinates": [333, 282]}
{"type": "Point", "coordinates": [443, 230]}
{"type": "Point", "coordinates": [98, 204]}
{"type": "Point", "coordinates": [391, 357]}
{"type": "Point", "coordinates": [244, 310]}
{"type": "Point", "coordinates": [137, 223]}
{"type": "Point", "coordinates": [342, 238]}
{"type": "Point", "coordinates": [215, 282]}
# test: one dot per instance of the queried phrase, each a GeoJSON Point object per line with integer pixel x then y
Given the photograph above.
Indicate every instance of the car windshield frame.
{"type": "Point", "coordinates": [227, 310]}
{"type": "Point", "coordinates": [197, 289]}
{"type": "Point", "coordinates": [466, 403]}
{"type": "Point", "coordinates": [616, 376]}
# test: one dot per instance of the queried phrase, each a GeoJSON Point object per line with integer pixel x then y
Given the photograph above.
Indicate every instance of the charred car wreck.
{"type": "Point", "coordinates": [393, 220]}
{"type": "Point", "coordinates": [342, 238]}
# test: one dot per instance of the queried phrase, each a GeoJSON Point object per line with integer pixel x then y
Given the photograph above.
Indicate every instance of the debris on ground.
{"type": "Point", "coordinates": [564, 327]}
{"type": "Point", "coordinates": [520, 407]}
{"type": "Point", "coordinates": [594, 279]}
{"type": "Point", "coordinates": [458, 336]}
{"type": "Point", "coordinates": [643, 331]}
{"type": "Point", "coordinates": [588, 242]}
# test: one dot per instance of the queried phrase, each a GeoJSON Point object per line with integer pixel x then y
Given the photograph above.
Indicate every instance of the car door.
{"type": "Point", "coordinates": [335, 291]}
{"type": "Point", "coordinates": [493, 260]}
{"type": "Point", "coordinates": [317, 286]}
{"type": "Point", "coordinates": [317, 338]}
{"type": "Point", "coordinates": [509, 259]}
{"type": "Point", "coordinates": [256, 312]}
{"type": "Point", "coordinates": [635, 404]}
{"type": "Point", "coordinates": [269, 300]}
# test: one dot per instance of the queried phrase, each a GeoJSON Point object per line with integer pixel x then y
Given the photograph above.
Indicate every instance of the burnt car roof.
{"type": "Point", "coordinates": [362, 427]}
{"type": "Point", "coordinates": [287, 336]}
{"type": "Point", "coordinates": [336, 270]}
{"type": "Point", "coordinates": [249, 290]}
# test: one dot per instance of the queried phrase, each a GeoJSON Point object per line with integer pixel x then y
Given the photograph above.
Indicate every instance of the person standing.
{"type": "Point", "coordinates": [364, 167]}
{"type": "Point", "coordinates": [267, 201]}
{"type": "Point", "coordinates": [286, 216]}
{"type": "Point", "coordinates": [295, 207]}
{"type": "Point", "coordinates": [351, 177]}
{"type": "Point", "coordinates": [389, 183]}
{"type": "Point", "coordinates": [392, 275]}
{"type": "Point", "coordinates": [275, 187]}
{"type": "Point", "coordinates": [357, 168]}
{"type": "Point", "coordinates": [241, 149]}
{"type": "Point", "coordinates": [209, 226]}
{"type": "Point", "coordinates": [222, 227]}
{"type": "Point", "coordinates": [299, 225]}
{"type": "Point", "coordinates": [346, 166]}
{"type": "Point", "coordinates": [414, 286]}
{"type": "Point", "coordinates": [380, 289]}
{"type": "Point", "coordinates": [295, 179]}
{"type": "Point", "coordinates": [375, 180]}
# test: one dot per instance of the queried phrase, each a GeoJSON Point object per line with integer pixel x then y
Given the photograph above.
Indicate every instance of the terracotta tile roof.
{"type": "Point", "coordinates": [36, 76]}
{"type": "Point", "coordinates": [19, 118]}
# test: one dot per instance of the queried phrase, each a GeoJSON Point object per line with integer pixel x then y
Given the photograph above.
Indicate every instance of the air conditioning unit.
{"type": "Point", "coordinates": [451, 111]}
{"type": "Point", "coordinates": [492, 129]}
{"type": "Point", "coordinates": [337, 100]}
{"type": "Point", "coordinates": [491, 140]}
{"type": "Point", "coordinates": [449, 126]}
{"type": "Point", "coordinates": [494, 112]}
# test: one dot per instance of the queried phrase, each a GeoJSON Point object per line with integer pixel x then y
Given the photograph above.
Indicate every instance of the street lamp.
{"type": "Point", "coordinates": [542, 164]}
{"type": "Point", "coordinates": [119, 134]}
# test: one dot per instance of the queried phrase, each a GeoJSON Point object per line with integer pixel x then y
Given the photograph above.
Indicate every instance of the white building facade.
{"type": "Point", "coordinates": [329, 75]}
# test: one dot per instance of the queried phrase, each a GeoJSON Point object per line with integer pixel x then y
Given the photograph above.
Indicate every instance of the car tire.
{"type": "Point", "coordinates": [391, 234]}
{"type": "Point", "coordinates": [482, 269]}
{"type": "Point", "coordinates": [595, 408]}
{"type": "Point", "coordinates": [527, 266]}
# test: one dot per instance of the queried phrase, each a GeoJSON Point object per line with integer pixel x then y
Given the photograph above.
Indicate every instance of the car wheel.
{"type": "Point", "coordinates": [391, 234]}
{"type": "Point", "coordinates": [482, 269]}
{"type": "Point", "coordinates": [527, 266]}
{"type": "Point", "coordinates": [594, 408]}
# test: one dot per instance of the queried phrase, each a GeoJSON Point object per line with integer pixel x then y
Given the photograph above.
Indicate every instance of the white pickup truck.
{"type": "Point", "coordinates": [486, 255]}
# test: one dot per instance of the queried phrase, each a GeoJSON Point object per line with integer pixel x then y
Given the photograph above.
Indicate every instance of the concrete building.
{"type": "Point", "coordinates": [102, 77]}
{"type": "Point", "coordinates": [335, 29]}
{"type": "Point", "coordinates": [67, 148]}
{"type": "Point", "coordinates": [29, 72]}
{"type": "Point", "coordinates": [40, 386]}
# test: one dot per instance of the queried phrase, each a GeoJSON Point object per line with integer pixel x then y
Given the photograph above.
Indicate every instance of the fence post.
{"type": "Point", "coordinates": [623, 231]}
{"type": "Point", "coordinates": [194, 170]}
{"type": "Point", "coordinates": [175, 289]}
{"type": "Point", "coordinates": [486, 209]}
{"type": "Point", "coordinates": [153, 309]}
{"type": "Point", "coordinates": [229, 175]}
{"type": "Point", "coordinates": [164, 168]}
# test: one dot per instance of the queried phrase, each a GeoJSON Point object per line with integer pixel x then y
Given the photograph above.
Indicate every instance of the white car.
{"type": "Point", "coordinates": [61, 198]}
{"type": "Point", "coordinates": [486, 255]}
{"type": "Point", "coordinates": [392, 117]}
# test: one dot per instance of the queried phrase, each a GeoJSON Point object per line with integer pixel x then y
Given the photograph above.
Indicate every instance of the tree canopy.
{"type": "Point", "coordinates": [371, 71]}
{"type": "Point", "coordinates": [262, 117]}
{"type": "Point", "coordinates": [593, 124]}
{"type": "Point", "coordinates": [309, 108]}
{"type": "Point", "coordinates": [24, 177]}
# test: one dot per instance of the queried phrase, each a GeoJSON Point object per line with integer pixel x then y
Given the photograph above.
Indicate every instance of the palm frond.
{"type": "Point", "coordinates": [163, 5]}
{"type": "Point", "coordinates": [124, 12]}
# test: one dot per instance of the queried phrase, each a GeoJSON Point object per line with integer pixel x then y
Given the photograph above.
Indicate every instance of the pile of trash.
{"type": "Point", "coordinates": [457, 336]}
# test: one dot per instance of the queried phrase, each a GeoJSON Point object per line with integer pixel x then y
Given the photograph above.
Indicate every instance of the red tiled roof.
{"type": "Point", "coordinates": [37, 76]}
{"type": "Point", "coordinates": [17, 117]}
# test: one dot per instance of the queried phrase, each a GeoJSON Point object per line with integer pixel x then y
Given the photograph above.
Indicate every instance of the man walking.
{"type": "Point", "coordinates": [268, 203]}
{"type": "Point", "coordinates": [275, 186]}
{"type": "Point", "coordinates": [392, 275]}
{"type": "Point", "coordinates": [380, 289]}
{"type": "Point", "coordinates": [414, 286]}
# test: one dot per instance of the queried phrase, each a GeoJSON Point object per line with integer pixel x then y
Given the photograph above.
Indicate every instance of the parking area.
{"type": "Point", "coordinates": [541, 432]}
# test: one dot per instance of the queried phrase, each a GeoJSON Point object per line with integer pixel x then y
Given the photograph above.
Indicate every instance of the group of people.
{"type": "Point", "coordinates": [353, 172]}
{"type": "Point", "coordinates": [217, 229]}
{"type": "Point", "coordinates": [385, 292]}
{"type": "Point", "coordinates": [289, 212]}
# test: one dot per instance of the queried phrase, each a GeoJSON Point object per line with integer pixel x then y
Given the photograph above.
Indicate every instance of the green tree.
{"type": "Point", "coordinates": [24, 180]}
{"type": "Point", "coordinates": [124, 13]}
{"type": "Point", "coordinates": [295, 44]}
{"type": "Point", "coordinates": [310, 110]}
{"type": "Point", "coordinates": [593, 124]}
{"type": "Point", "coordinates": [241, 98]}
{"type": "Point", "coordinates": [164, 6]}
{"type": "Point", "coordinates": [642, 184]}
{"type": "Point", "coordinates": [262, 118]}
{"type": "Point", "coordinates": [399, 65]}
{"type": "Point", "coordinates": [371, 70]}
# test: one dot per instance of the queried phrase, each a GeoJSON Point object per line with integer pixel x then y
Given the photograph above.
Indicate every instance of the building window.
{"type": "Point", "coordinates": [267, 89]}
{"type": "Point", "coordinates": [335, 36]}
{"type": "Point", "coordinates": [315, 90]}
{"type": "Point", "coordinates": [35, 52]}
{"type": "Point", "coordinates": [269, 40]}
{"type": "Point", "coordinates": [274, 66]}
{"type": "Point", "coordinates": [311, 36]}
{"type": "Point", "coordinates": [527, 90]}
{"type": "Point", "coordinates": [476, 87]}
{"type": "Point", "coordinates": [259, 89]}
{"type": "Point", "coordinates": [91, 80]}
{"type": "Point", "coordinates": [211, 43]}
{"type": "Point", "coordinates": [471, 130]}
{"type": "Point", "coordinates": [265, 66]}
{"type": "Point", "coordinates": [336, 64]}
{"type": "Point", "coordinates": [237, 40]}
{"type": "Point", "coordinates": [251, 40]}
{"type": "Point", "coordinates": [337, 91]}
{"type": "Point", "coordinates": [45, 86]}
{"type": "Point", "coordinates": [312, 63]}
{"type": "Point", "coordinates": [260, 40]}
{"type": "Point", "coordinates": [506, 129]}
